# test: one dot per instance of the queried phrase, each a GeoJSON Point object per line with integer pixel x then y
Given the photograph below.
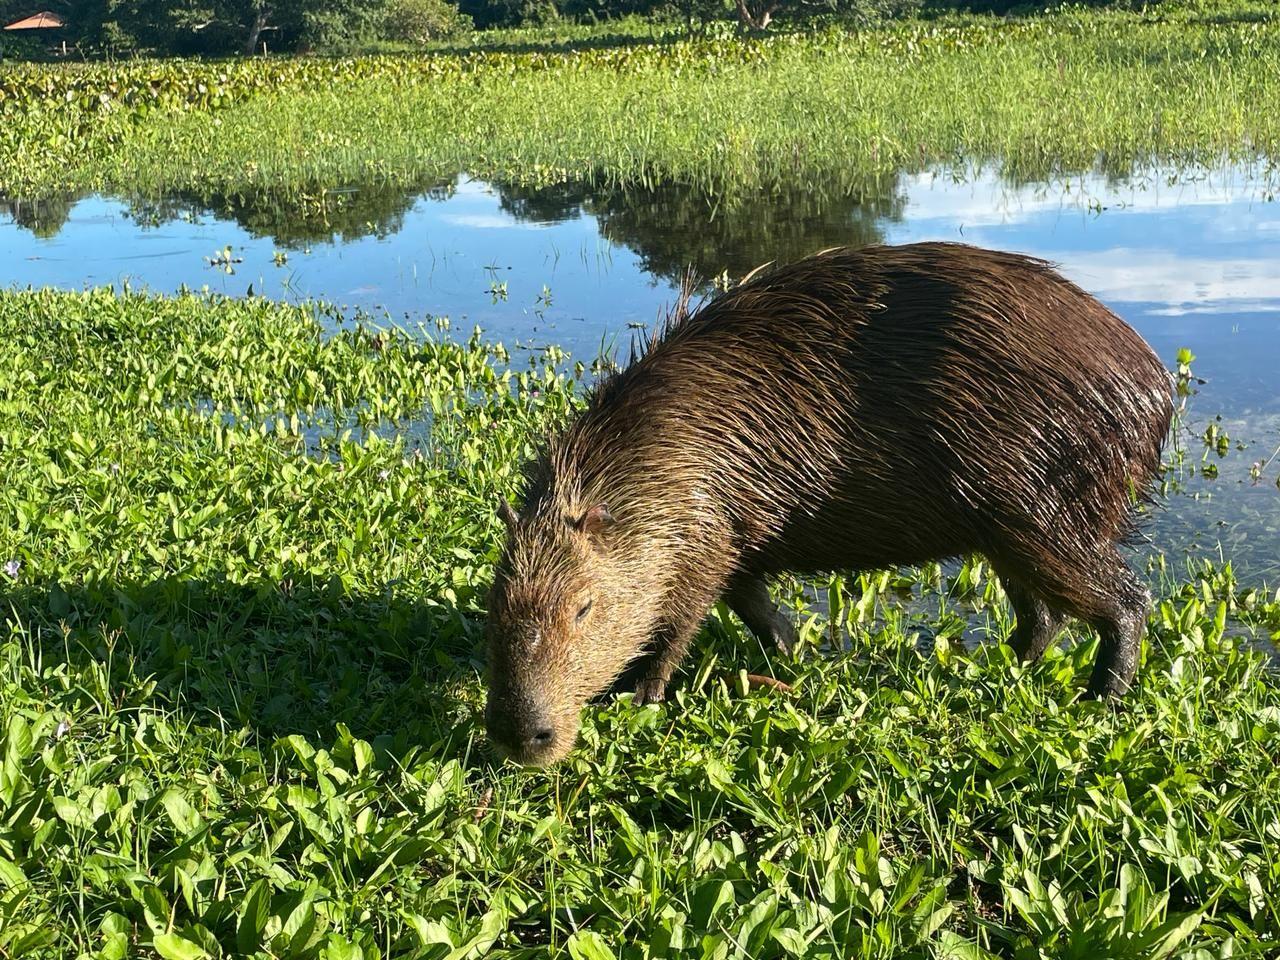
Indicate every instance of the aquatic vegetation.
{"type": "Point", "coordinates": [1040, 97]}
{"type": "Point", "coordinates": [242, 566]}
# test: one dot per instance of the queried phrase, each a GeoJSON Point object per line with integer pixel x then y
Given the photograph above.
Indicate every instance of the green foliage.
{"type": "Point", "coordinates": [507, 13]}
{"type": "Point", "coordinates": [117, 27]}
{"type": "Point", "coordinates": [242, 559]}
{"type": "Point", "coordinates": [16, 46]}
{"type": "Point", "coordinates": [419, 21]}
{"type": "Point", "coordinates": [1043, 98]}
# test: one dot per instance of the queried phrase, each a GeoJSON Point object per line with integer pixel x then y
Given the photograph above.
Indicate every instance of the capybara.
{"type": "Point", "coordinates": [861, 408]}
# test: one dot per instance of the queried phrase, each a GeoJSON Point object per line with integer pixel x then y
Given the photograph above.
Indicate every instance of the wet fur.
{"type": "Point", "coordinates": [857, 409]}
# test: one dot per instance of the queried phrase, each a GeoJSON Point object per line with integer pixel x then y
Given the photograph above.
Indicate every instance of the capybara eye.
{"type": "Point", "coordinates": [582, 614]}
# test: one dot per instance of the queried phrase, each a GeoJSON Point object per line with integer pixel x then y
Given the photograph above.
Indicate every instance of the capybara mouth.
{"type": "Point", "coordinates": [538, 754]}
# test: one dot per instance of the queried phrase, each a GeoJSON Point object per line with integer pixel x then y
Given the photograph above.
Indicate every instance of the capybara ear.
{"type": "Point", "coordinates": [595, 521]}
{"type": "Point", "coordinates": [508, 514]}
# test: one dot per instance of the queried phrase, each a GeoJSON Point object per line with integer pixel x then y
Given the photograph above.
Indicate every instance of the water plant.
{"type": "Point", "coordinates": [1041, 97]}
{"type": "Point", "coordinates": [244, 553]}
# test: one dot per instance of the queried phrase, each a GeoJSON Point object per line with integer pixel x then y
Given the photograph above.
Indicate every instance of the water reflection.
{"type": "Point", "coordinates": [295, 223]}
{"type": "Point", "coordinates": [44, 218]}
{"type": "Point", "coordinates": [1192, 262]}
{"type": "Point", "coordinates": [571, 264]}
{"type": "Point", "coordinates": [675, 228]}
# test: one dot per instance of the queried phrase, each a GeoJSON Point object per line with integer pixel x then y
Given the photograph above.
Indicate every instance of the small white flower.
{"type": "Point", "coordinates": [64, 727]}
{"type": "Point", "coordinates": [11, 569]}
{"type": "Point", "coordinates": [383, 474]}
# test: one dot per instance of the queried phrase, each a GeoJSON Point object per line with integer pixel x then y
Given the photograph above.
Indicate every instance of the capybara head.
{"type": "Point", "coordinates": [560, 628]}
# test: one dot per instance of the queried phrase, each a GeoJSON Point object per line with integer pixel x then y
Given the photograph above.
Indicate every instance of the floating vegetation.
{"type": "Point", "coordinates": [225, 260]}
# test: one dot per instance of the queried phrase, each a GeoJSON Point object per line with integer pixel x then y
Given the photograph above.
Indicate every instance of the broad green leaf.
{"type": "Point", "coordinates": [181, 813]}
{"type": "Point", "coordinates": [586, 945]}
{"type": "Point", "coordinates": [10, 874]}
{"type": "Point", "coordinates": [172, 946]}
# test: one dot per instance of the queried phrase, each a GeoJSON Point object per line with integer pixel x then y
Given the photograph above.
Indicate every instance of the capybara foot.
{"type": "Point", "coordinates": [1112, 693]}
{"type": "Point", "coordinates": [785, 636]}
{"type": "Point", "coordinates": [650, 690]}
{"type": "Point", "coordinates": [749, 598]}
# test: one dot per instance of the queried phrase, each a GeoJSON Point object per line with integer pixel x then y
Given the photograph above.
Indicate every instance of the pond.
{"type": "Point", "coordinates": [1192, 260]}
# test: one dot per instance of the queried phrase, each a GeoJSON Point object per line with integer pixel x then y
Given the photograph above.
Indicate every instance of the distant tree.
{"type": "Point", "coordinates": [418, 21]}
{"type": "Point", "coordinates": [696, 12]}
{"type": "Point", "coordinates": [509, 13]}
{"type": "Point", "coordinates": [11, 10]}
{"type": "Point", "coordinates": [758, 15]}
{"type": "Point", "coordinates": [260, 16]}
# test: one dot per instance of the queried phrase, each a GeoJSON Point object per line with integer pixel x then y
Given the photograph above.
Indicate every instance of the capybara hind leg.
{"type": "Point", "coordinates": [1036, 627]}
{"type": "Point", "coordinates": [1120, 625]}
{"type": "Point", "coordinates": [1120, 636]}
{"type": "Point", "coordinates": [749, 599]}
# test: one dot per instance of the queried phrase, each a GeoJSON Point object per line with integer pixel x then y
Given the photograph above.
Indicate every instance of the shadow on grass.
{"type": "Point", "coordinates": [295, 658]}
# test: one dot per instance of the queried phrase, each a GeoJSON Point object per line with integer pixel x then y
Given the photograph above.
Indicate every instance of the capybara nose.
{"type": "Point", "coordinates": [533, 739]}
{"type": "Point", "coordinates": [527, 736]}
{"type": "Point", "coordinates": [542, 738]}
{"type": "Point", "coordinates": [540, 743]}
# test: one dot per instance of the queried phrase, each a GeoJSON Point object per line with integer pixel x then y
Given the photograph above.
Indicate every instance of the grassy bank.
{"type": "Point", "coordinates": [1039, 97]}
{"type": "Point", "coordinates": [239, 698]}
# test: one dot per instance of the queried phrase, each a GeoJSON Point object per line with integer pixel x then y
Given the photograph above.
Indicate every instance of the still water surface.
{"type": "Point", "coordinates": [1191, 262]}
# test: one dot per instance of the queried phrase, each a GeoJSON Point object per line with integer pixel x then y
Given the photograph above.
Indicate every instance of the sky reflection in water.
{"type": "Point", "coordinates": [1193, 264]}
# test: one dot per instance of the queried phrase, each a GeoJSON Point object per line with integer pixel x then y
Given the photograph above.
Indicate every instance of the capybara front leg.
{"type": "Point", "coordinates": [670, 646]}
{"type": "Point", "coordinates": [650, 690]}
{"type": "Point", "coordinates": [749, 598]}
{"type": "Point", "coordinates": [684, 614]}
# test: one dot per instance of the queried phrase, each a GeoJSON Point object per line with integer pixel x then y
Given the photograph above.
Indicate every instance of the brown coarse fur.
{"type": "Point", "coordinates": [859, 409]}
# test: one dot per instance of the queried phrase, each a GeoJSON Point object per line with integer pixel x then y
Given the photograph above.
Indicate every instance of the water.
{"type": "Point", "coordinates": [1193, 263]}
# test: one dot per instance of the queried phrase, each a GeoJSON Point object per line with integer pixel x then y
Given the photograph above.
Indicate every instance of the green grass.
{"type": "Point", "coordinates": [1043, 97]}
{"type": "Point", "coordinates": [244, 564]}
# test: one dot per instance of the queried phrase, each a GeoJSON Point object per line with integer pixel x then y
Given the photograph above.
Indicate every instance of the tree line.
{"type": "Point", "coordinates": [221, 27]}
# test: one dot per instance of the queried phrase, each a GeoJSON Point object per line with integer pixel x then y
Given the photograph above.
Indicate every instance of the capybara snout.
{"type": "Point", "coordinates": [858, 409]}
{"type": "Point", "coordinates": [523, 729]}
